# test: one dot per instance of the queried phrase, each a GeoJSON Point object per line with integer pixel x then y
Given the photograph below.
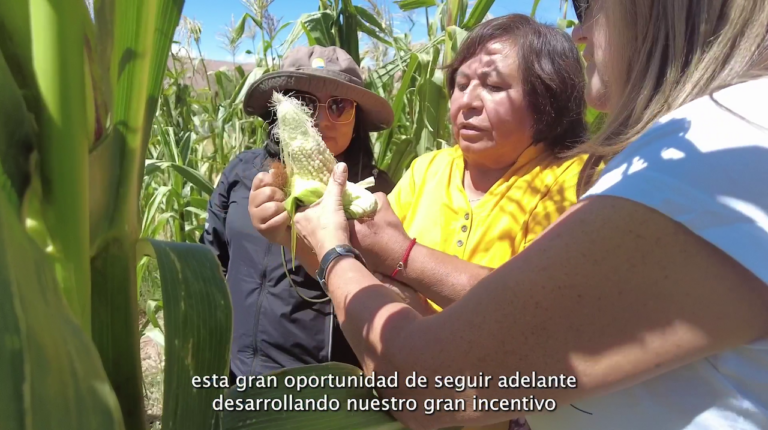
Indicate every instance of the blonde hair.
{"type": "Point", "coordinates": [665, 53]}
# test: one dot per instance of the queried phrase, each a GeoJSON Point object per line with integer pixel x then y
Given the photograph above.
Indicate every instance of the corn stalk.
{"type": "Point", "coordinates": [83, 86]}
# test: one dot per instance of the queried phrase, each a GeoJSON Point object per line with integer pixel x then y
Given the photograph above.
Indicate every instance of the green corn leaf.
{"type": "Point", "coordinates": [366, 15]}
{"type": "Point", "coordinates": [397, 106]}
{"type": "Point", "coordinates": [153, 307]}
{"type": "Point", "coordinates": [269, 43]}
{"type": "Point", "coordinates": [390, 68]}
{"type": "Point", "coordinates": [402, 152]}
{"type": "Point", "coordinates": [51, 375]}
{"type": "Point", "coordinates": [535, 8]}
{"type": "Point", "coordinates": [16, 47]}
{"type": "Point", "coordinates": [307, 420]}
{"type": "Point", "coordinates": [150, 212]}
{"type": "Point", "coordinates": [225, 84]}
{"type": "Point", "coordinates": [478, 13]}
{"type": "Point", "coordinates": [196, 211]}
{"type": "Point", "coordinates": [372, 33]}
{"type": "Point", "coordinates": [169, 145]}
{"type": "Point", "coordinates": [461, 12]}
{"type": "Point", "coordinates": [428, 98]}
{"type": "Point", "coordinates": [564, 24]}
{"type": "Point", "coordinates": [199, 202]}
{"type": "Point", "coordinates": [347, 31]}
{"type": "Point", "coordinates": [151, 167]}
{"type": "Point", "coordinates": [240, 71]}
{"type": "Point", "coordinates": [454, 36]}
{"type": "Point", "coordinates": [198, 329]}
{"type": "Point", "coordinates": [191, 175]}
{"type": "Point", "coordinates": [407, 5]}
{"type": "Point", "coordinates": [296, 33]}
{"type": "Point", "coordinates": [237, 33]}
{"type": "Point", "coordinates": [317, 26]}
{"type": "Point", "coordinates": [17, 136]}
{"type": "Point", "coordinates": [311, 41]}
{"type": "Point", "coordinates": [160, 224]}
{"type": "Point", "coordinates": [451, 13]}
{"type": "Point", "coordinates": [7, 192]}
{"type": "Point", "coordinates": [245, 84]}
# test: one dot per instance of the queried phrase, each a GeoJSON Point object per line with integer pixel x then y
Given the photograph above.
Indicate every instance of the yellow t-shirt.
{"type": "Point", "coordinates": [432, 205]}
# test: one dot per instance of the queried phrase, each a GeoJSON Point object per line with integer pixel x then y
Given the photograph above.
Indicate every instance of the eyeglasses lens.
{"type": "Point", "coordinates": [339, 109]}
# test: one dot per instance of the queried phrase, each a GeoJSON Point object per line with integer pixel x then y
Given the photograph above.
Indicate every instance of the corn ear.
{"type": "Point", "coordinates": [309, 164]}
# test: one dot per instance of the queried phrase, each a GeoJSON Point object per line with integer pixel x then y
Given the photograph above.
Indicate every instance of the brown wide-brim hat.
{"type": "Point", "coordinates": [317, 69]}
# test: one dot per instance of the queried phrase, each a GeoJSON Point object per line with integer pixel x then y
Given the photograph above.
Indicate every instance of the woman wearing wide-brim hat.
{"type": "Point", "coordinates": [282, 321]}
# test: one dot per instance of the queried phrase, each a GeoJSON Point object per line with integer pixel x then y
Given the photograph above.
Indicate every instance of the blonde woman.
{"type": "Point", "coordinates": [652, 291]}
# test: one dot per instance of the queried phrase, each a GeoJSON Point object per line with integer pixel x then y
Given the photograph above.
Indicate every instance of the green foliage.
{"type": "Point", "coordinates": [50, 372]}
{"type": "Point", "coordinates": [278, 420]}
{"type": "Point", "coordinates": [198, 328]}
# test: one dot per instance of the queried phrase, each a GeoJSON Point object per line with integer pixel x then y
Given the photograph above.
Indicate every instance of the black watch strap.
{"type": "Point", "coordinates": [332, 254]}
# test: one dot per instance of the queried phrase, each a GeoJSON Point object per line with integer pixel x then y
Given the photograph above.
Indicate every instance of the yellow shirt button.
{"type": "Point", "coordinates": [466, 216]}
{"type": "Point", "coordinates": [464, 228]}
{"type": "Point", "coordinates": [460, 243]}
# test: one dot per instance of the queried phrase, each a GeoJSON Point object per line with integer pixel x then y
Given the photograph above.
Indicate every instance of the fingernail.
{"type": "Point", "coordinates": [339, 171]}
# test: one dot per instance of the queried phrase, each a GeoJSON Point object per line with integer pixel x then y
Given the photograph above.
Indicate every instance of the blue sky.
{"type": "Point", "coordinates": [215, 14]}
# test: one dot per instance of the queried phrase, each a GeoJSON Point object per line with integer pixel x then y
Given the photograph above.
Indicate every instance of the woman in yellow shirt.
{"type": "Point", "coordinates": [517, 104]}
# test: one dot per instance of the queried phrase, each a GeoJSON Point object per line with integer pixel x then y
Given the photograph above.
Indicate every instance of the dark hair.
{"type": "Point", "coordinates": [551, 72]}
{"type": "Point", "coordinates": [358, 156]}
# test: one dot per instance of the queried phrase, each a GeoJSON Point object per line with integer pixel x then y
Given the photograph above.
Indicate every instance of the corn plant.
{"type": "Point", "coordinates": [83, 86]}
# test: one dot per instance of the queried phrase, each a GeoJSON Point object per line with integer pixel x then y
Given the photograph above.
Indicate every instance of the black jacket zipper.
{"type": "Point", "coordinates": [256, 351]}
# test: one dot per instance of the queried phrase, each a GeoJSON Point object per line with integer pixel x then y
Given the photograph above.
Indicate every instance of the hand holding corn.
{"type": "Point", "coordinates": [324, 224]}
{"type": "Point", "coordinates": [309, 164]}
{"type": "Point", "coordinates": [382, 240]}
{"type": "Point", "coordinates": [267, 209]}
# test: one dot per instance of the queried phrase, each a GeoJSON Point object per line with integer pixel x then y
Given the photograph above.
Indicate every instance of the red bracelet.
{"type": "Point", "coordinates": [401, 265]}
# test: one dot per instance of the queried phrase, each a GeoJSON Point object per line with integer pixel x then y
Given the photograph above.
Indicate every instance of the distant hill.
{"type": "Point", "coordinates": [198, 79]}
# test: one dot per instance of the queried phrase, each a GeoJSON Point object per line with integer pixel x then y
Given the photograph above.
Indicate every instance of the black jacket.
{"type": "Point", "coordinates": [274, 327]}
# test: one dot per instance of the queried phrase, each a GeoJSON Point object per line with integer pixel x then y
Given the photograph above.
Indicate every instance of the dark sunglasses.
{"type": "Point", "coordinates": [580, 6]}
{"type": "Point", "coordinates": [338, 109]}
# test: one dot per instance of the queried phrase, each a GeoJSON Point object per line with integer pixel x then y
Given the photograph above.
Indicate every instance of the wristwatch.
{"type": "Point", "coordinates": [332, 254]}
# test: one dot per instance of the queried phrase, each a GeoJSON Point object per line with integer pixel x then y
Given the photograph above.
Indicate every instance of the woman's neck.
{"type": "Point", "coordinates": [479, 179]}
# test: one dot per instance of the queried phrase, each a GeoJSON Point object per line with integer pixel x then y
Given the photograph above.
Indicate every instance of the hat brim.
{"type": "Point", "coordinates": [378, 112]}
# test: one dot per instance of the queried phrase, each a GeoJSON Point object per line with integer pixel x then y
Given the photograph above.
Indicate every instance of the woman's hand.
{"type": "Point", "coordinates": [324, 225]}
{"type": "Point", "coordinates": [267, 211]}
{"type": "Point", "coordinates": [382, 240]}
